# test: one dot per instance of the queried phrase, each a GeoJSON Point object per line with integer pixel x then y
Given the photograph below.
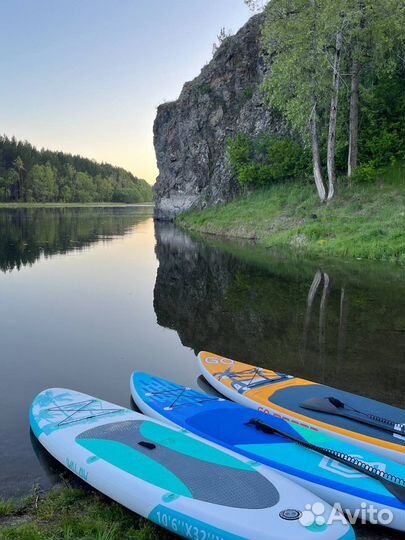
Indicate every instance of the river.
{"type": "Point", "coordinates": [90, 294]}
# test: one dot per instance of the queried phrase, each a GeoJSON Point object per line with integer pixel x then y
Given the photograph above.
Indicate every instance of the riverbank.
{"type": "Point", "coordinates": [73, 513]}
{"type": "Point", "coordinates": [68, 205]}
{"type": "Point", "coordinates": [363, 221]}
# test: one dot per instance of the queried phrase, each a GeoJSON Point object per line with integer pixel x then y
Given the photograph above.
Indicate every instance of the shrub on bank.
{"type": "Point", "coordinates": [267, 159]}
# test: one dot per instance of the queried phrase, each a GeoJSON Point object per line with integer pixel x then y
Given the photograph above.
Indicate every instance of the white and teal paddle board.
{"type": "Point", "coordinates": [187, 485]}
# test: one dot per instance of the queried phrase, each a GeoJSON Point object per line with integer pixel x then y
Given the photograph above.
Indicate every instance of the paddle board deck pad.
{"type": "Point", "coordinates": [187, 485]}
{"type": "Point", "coordinates": [227, 423]}
{"type": "Point", "coordinates": [283, 396]}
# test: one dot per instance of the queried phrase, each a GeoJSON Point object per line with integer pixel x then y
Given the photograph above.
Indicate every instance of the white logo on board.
{"type": "Point", "coordinates": [215, 361]}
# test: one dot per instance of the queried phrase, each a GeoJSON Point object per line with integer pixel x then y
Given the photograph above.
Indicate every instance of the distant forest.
{"type": "Point", "coordinates": [31, 175]}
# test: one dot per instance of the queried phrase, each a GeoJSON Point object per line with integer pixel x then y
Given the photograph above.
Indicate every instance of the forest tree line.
{"type": "Point", "coordinates": [336, 72]}
{"type": "Point", "coordinates": [31, 175]}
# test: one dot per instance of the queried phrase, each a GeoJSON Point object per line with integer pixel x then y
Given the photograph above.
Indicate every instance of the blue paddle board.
{"type": "Point", "coordinates": [225, 423]}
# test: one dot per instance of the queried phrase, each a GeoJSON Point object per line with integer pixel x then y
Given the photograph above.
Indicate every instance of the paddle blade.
{"type": "Point", "coordinates": [326, 405]}
{"type": "Point", "coordinates": [397, 489]}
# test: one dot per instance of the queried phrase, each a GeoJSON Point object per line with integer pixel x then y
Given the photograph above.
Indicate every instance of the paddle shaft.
{"type": "Point", "coordinates": [395, 485]}
{"type": "Point", "coordinates": [327, 406]}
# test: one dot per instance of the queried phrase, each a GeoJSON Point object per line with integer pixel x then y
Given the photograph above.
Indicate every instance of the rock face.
{"type": "Point", "coordinates": [190, 134]}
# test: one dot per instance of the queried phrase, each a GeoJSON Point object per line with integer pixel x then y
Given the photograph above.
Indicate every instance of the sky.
{"type": "Point", "coordinates": [86, 76]}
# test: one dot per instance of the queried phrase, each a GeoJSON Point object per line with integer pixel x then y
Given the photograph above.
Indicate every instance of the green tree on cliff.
{"type": "Point", "coordinates": [320, 53]}
{"type": "Point", "coordinates": [375, 50]}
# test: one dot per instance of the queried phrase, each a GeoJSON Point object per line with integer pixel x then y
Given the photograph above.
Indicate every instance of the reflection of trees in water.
{"type": "Point", "coordinates": [279, 313]}
{"type": "Point", "coordinates": [322, 286]}
{"type": "Point", "coordinates": [320, 277]}
{"type": "Point", "coordinates": [343, 314]}
{"type": "Point", "coordinates": [308, 314]}
{"type": "Point", "coordinates": [29, 233]}
{"type": "Point", "coordinates": [322, 315]}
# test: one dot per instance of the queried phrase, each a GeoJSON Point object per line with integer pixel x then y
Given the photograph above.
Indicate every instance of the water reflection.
{"type": "Point", "coordinates": [73, 320]}
{"type": "Point", "coordinates": [321, 286]}
{"type": "Point", "coordinates": [282, 312]}
{"type": "Point", "coordinates": [26, 234]}
{"type": "Point", "coordinates": [55, 473]}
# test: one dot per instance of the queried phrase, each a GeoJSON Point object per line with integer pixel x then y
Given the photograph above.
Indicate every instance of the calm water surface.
{"type": "Point", "coordinates": [88, 295]}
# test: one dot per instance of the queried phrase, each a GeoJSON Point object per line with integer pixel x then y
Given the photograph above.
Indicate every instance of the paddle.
{"type": "Point", "coordinates": [392, 483]}
{"type": "Point", "coordinates": [331, 405]}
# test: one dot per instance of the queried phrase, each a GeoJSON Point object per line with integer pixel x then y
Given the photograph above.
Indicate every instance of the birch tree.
{"type": "Point", "coordinates": [296, 83]}
{"type": "Point", "coordinates": [375, 42]}
{"type": "Point", "coordinates": [331, 165]}
{"type": "Point", "coordinates": [314, 48]}
{"type": "Point", "coordinates": [333, 26]}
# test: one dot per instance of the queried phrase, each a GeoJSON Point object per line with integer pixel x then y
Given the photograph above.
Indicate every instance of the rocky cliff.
{"type": "Point", "coordinates": [190, 134]}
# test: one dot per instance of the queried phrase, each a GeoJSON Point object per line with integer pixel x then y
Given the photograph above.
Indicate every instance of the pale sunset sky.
{"type": "Point", "coordinates": [86, 76]}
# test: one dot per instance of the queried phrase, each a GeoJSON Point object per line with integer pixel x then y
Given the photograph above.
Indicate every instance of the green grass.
{"type": "Point", "coordinates": [73, 514]}
{"type": "Point", "coordinates": [363, 221]}
{"type": "Point", "coordinates": [63, 205]}
{"type": "Point", "coordinates": [7, 508]}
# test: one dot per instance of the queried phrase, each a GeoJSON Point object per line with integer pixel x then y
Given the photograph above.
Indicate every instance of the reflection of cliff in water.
{"type": "Point", "coordinates": [29, 233]}
{"type": "Point", "coordinates": [335, 325]}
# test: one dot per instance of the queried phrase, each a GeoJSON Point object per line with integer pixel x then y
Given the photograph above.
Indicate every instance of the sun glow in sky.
{"type": "Point", "coordinates": [86, 76]}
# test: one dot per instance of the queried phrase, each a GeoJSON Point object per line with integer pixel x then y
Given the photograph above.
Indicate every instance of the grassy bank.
{"type": "Point", "coordinates": [363, 221]}
{"type": "Point", "coordinates": [79, 514]}
{"type": "Point", "coordinates": [67, 205]}
{"type": "Point", "coordinates": [73, 514]}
